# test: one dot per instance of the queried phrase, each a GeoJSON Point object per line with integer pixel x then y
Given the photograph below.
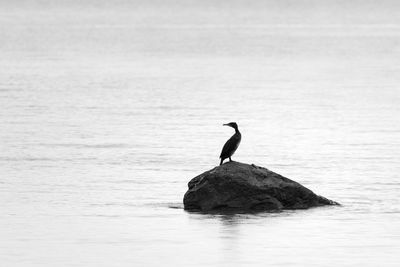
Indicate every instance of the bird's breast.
{"type": "Point", "coordinates": [238, 139]}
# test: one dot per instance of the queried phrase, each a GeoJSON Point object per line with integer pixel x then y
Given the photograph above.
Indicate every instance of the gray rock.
{"type": "Point", "coordinates": [244, 187]}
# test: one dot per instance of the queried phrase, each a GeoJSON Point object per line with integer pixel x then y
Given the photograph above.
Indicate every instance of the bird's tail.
{"type": "Point", "coordinates": [221, 161]}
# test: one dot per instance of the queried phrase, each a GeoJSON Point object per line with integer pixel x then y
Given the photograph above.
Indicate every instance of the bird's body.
{"type": "Point", "coordinates": [232, 144]}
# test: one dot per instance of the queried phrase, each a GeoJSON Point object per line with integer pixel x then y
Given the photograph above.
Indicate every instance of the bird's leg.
{"type": "Point", "coordinates": [230, 159]}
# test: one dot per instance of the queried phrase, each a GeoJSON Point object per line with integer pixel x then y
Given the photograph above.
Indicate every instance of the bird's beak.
{"type": "Point", "coordinates": [225, 124]}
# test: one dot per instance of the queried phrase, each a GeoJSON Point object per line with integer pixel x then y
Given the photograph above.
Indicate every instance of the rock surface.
{"type": "Point", "coordinates": [244, 187]}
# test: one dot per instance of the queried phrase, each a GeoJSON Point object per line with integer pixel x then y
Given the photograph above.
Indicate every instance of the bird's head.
{"type": "Point", "coordinates": [232, 124]}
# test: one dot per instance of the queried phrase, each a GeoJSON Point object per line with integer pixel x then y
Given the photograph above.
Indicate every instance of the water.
{"type": "Point", "coordinates": [108, 109]}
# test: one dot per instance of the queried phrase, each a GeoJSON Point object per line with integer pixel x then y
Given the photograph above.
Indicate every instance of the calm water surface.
{"type": "Point", "coordinates": [109, 109]}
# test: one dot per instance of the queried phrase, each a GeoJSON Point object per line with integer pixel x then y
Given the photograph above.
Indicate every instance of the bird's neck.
{"type": "Point", "coordinates": [237, 130]}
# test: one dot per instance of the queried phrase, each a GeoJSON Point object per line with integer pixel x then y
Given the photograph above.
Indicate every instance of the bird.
{"type": "Point", "coordinates": [232, 144]}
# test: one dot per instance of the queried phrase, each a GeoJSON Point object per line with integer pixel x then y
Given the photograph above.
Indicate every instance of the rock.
{"type": "Point", "coordinates": [244, 187]}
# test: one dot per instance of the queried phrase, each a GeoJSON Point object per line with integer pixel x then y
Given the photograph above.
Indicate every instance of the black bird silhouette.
{"type": "Point", "coordinates": [232, 144]}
